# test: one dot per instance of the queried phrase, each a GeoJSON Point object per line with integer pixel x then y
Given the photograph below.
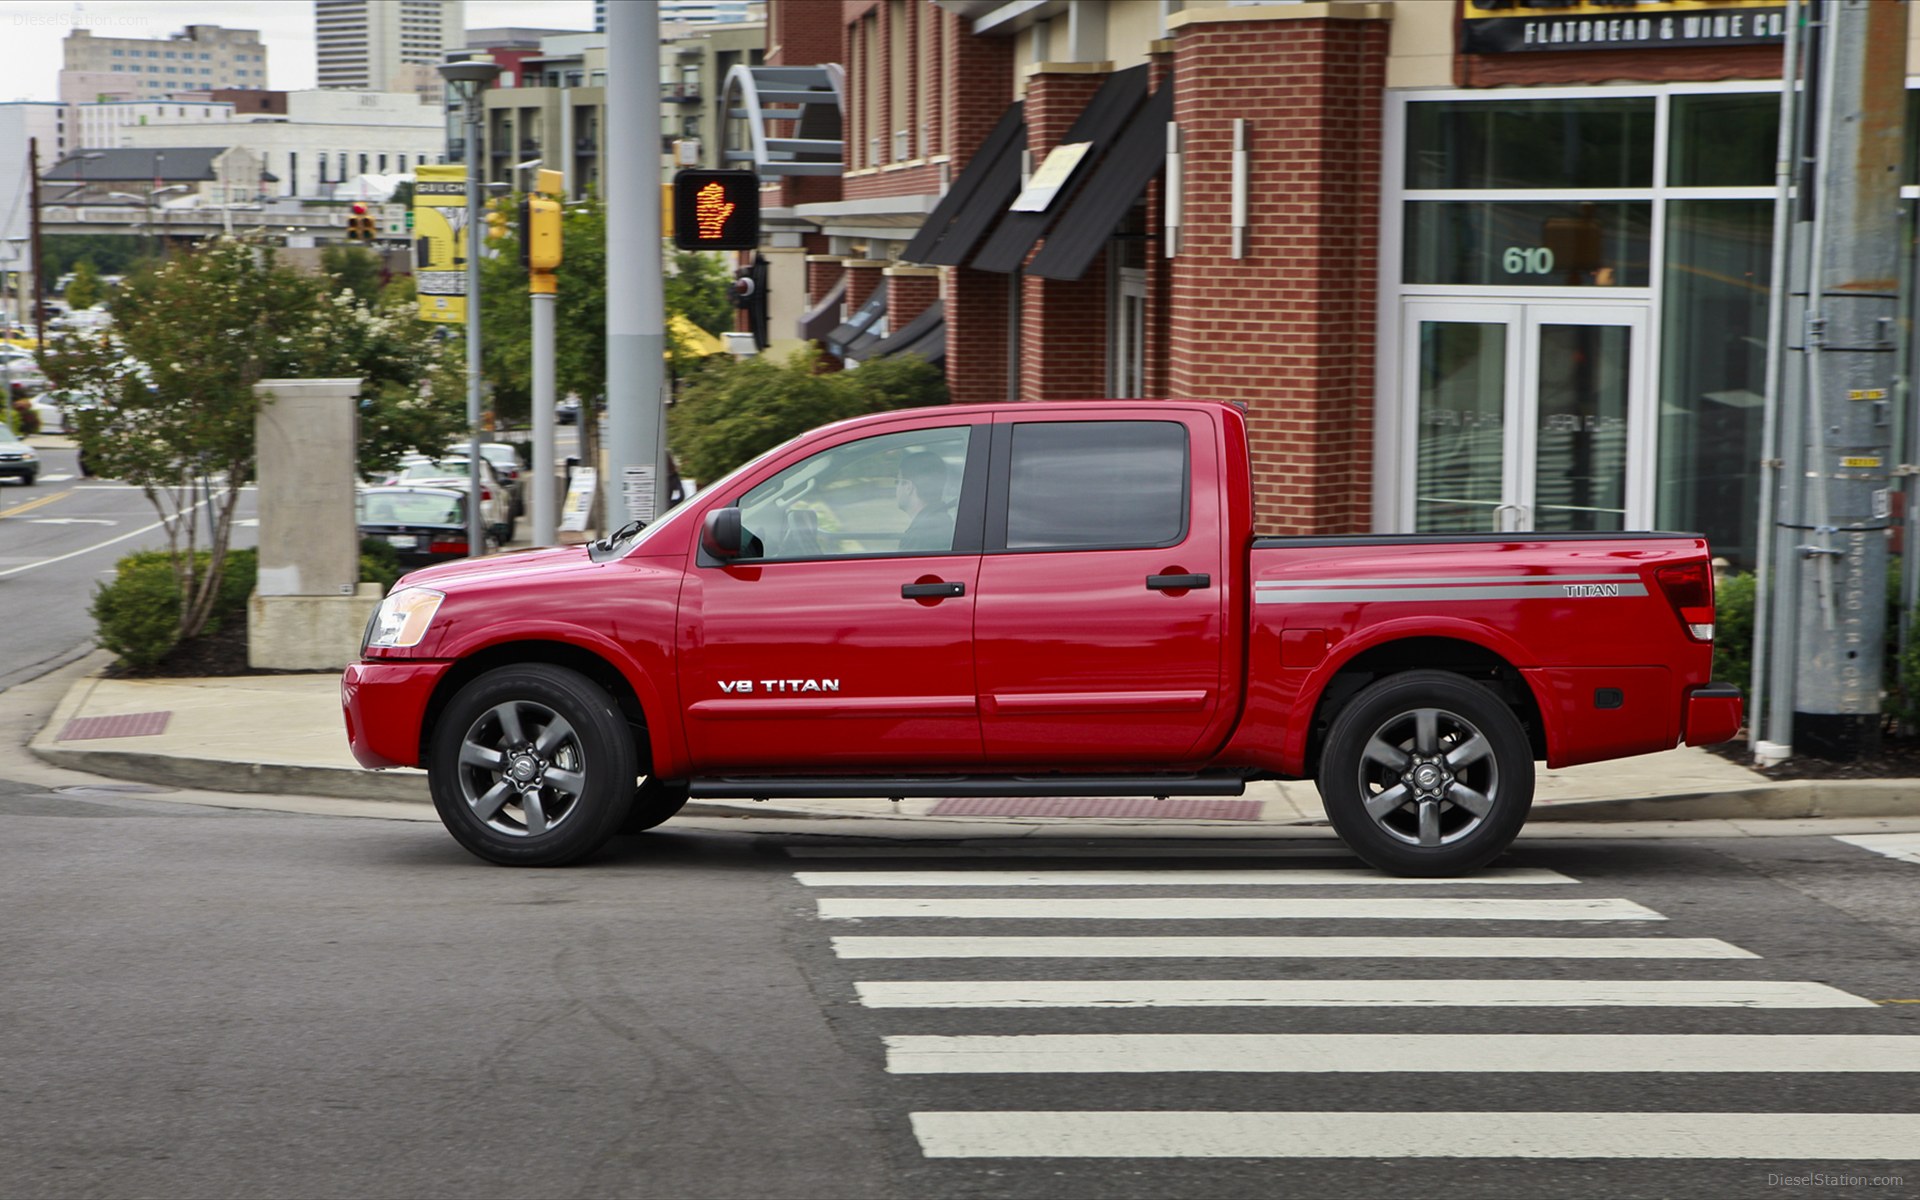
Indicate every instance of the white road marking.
{"type": "Point", "coordinates": [55, 478]}
{"type": "Point", "coordinates": [1773, 1137]}
{"type": "Point", "coordinates": [1368, 993]}
{"type": "Point", "coordinates": [1207, 878]}
{"type": "Point", "coordinates": [1903, 846]}
{"type": "Point", "coordinates": [1217, 908]}
{"type": "Point", "coordinates": [1286, 947]}
{"type": "Point", "coordinates": [1369, 1053]}
{"type": "Point", "coordinates": [69, 521]}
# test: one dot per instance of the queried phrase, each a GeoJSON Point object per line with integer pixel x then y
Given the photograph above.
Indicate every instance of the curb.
{"type": "Point", "coordinates": [1785, 800]}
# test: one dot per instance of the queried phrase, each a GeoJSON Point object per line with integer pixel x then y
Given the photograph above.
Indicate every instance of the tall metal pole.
{"type": "Point", "coordinates": [545, 505]}
{"type": "Point", "coordinates": [476, 520]}
{"type": "Point", "coordinates": [33, 231]}
{"type": "Point", "coordinates": [1848, 361]}
{"type": "Point", "coordinates": [636, 306]}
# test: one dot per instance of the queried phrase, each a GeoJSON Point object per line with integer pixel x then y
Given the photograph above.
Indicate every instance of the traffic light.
{"type": "Point", "coordinates": [359, 225]}
{"type": "Point", "coordinates": [716, 210]}
{"type": "Point", "coordinates": [750, 296]}
{"type": "Point", "coordinates": [497, 221]}
{"type": "Point", "coordinates": [539, 233]}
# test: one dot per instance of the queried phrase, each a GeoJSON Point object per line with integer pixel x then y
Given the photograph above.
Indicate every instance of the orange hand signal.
{"type": "Point", "coordinates": [711, 210]}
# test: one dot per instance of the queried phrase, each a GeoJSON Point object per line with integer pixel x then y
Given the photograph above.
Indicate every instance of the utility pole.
{"type": "Point", "coordinates": [636, 306]}
{"type": "Point", "coordinates": [1835, 420]}
{"type": "Point", "coordinates": [33, 219]}
{"type": "Point", "coordinates": [469, 80]}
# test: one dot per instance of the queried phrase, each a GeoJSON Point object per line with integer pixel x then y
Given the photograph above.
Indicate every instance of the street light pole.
{"type": "Point", "coordinates": [469, 80]}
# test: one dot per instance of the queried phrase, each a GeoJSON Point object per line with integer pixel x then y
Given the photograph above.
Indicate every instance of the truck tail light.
{"type": "Point", "coordinates": [1689, 589]}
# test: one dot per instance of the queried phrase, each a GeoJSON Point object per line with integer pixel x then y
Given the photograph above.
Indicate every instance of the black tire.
{"type": "Point", "coordinates": [655, 802]}
{"type": "Point", "coordinates": [503, 532]}
{"type": "Point", "coordinates": [29, 478]}
{"type": "Point", "coordinates": [532, 766]}
{"type": "Point", "coordinates": [1453, 755]}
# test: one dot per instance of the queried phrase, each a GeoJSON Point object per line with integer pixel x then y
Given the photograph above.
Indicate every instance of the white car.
{"type": "Point", "coordinates": [505, 457]}
{"type": "Point", "coordinates": [496, 504]}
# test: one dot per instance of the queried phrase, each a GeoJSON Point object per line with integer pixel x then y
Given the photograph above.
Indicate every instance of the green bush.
{"type": "Point", "coordinates": [137, 616]}
{"type": "Point", "coordinates": [380, 563]}
{"type": "Point", "coordinates": [731, 411]}
{"type": "Point", "coordinates": [1733, 630]}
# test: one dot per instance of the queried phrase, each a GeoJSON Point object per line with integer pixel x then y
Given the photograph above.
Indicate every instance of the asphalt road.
{"type": "Point", "coordinates": [58, 539]}
{"type": "Point", "coordinates": [205, 1002]}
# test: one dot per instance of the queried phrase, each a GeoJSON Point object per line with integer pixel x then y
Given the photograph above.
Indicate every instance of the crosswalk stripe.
{"type": "Point", "coordinates": [1903, 846]}
{"type": "Point", "coordinates": [1203, 878]}
{"type": "Point", "coordinates": [1285, 947]}
{"type": "Point", "coordinates": [1775, 1137]}
{"type": "Point", "coordinates": [1352, 1053]}
{"type": "Point", "coordinates": [1387, 993]}
{"type": "Point", "coordinates": [1219, 908]}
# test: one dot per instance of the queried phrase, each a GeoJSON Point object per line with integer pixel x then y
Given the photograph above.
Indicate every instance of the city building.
{"type": "Point", "coordinates": [155, 177]}
{"type": "Point", "coordinates": [201, 58]}
{"type": "Point", "coordinates": [24, 124]}
{"type": "Point", "coordinates": [310, 143]}
{"type": "Point", "coordinates": [364, 44]}
{"type": "Point", "coordinates": [1469, 267]}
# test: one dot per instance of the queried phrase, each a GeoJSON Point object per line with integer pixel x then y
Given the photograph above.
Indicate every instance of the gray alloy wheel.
{"type": "Point", "coordinates": [530, 766]}
{"type": "Point", "coordinates": [1426, 773]}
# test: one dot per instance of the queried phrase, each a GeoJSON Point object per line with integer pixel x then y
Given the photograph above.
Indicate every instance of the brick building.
{"type": "Point", "coordinates": [1469, 265]}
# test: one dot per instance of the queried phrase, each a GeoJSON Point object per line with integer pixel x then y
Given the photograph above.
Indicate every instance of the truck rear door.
{"type": "Point", "coordinates": [1104, 588]}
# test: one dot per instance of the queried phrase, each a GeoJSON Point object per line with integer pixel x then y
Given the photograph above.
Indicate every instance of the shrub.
{"type": "Point", "coordinates": [731, 411]}
{"type": "Point", "coordinates": [1733, 599]}
{"type": "Point", "coordinates": [380, 563]}
{"type": "Point", "coordinates": [137, 616]}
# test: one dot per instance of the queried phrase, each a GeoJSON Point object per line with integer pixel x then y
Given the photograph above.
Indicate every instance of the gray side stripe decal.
{"type": "Point", "coordinates": [1434, 580]}
{"type": "Point", "coordinates": [1374, 595]}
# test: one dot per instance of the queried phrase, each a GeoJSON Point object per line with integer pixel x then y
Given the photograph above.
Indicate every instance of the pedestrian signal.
{"type": "Point", "coordinates": [716, 210]}
{"type": "Point", "coordinates": [539, 233]}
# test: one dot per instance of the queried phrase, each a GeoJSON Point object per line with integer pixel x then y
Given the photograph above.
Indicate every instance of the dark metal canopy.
{"type": "Point", "coordinates": [1099, 122]}
{"type": "Point", "coordinates": [1092, 216]}
{"type": "Point", "coordinates": [982, 193]}
{"type": "Point", "coordinates": [925, 335]}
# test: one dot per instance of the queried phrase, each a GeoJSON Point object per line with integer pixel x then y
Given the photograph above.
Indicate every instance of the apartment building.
{"type": "Point", "coordinates": [200, 58]}
{"type": "Point", "coordinates": [366, 44]}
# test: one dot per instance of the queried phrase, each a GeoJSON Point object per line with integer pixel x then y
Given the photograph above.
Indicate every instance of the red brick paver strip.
{"type": "Point", "coordinates": [1098, 806]}
{"type": "Point", "coordinates": [144, 724]}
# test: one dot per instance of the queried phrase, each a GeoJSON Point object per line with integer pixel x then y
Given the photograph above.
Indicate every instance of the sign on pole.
{"type": "Point", "coordinates": [716, 210]}
{"type": "Point", "coordinates": [439, 241]}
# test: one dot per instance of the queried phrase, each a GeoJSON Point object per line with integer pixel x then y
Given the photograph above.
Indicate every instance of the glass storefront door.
{"type": "Point", "coordinates": [1526, 417]}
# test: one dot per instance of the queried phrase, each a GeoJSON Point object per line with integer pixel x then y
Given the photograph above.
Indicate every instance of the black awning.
{"type": "Point", "coordinates": [1099, 122]}
{"type": "Point", "coordinates": [818, 322]}
{"type": "Point", "coordinates": [1097, 211]}
{"type": "Point", "coordinates": [982, 192]}
{"type": "Point", "coordinates": [857, 331]}
{"type": "Point", "coordinates": [925, 335]}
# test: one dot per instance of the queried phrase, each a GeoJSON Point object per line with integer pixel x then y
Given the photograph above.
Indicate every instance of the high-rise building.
{"type": "Point", "coordinates": [364, 44]}
{"type": "Point", "coordinates": [694, 12]}
{"type": "Point", "coordinates": [201, 58]}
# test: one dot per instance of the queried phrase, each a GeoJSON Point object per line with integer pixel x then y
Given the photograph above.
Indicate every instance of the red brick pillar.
{"type": "Point", "coordinates": [823, 272]}
{"type": "Point", "coordinates": [863, 275]}
{"type": "Point", "coordinates": [980, 75]}
{"type": "Point", "coordinates": [1157, 353]}
{"type": "Point", "coordinates": [909, 291]}
{"type": "Point", "coordinates": [1288, 328]}
{"type": "Point", "coordinates": [980, 71]}
{"type": "Point", "coordinates": [1063, 343]}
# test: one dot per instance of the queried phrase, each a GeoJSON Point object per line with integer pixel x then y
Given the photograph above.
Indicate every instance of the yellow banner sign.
{"type": "Point", "coordinates": [440, 241]}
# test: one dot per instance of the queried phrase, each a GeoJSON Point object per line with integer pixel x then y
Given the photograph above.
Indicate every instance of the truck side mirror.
{"type": "Point", "coordinates": [720, 534]}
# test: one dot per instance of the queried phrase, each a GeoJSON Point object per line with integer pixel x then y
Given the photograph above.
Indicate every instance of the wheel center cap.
{"type": "Point", "coordinates": [1426, 777]}
{"type": "Point", "coordinates": [523, 768]}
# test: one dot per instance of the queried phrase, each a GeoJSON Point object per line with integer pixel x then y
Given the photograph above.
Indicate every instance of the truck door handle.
{"type": "Point", "coordinates": [915, 591]}
{"type": "Point", "coordinates": [1167, 583]}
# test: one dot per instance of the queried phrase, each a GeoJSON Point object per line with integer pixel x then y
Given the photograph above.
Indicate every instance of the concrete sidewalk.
{"type": "Point", "coordinates": [284, 734]}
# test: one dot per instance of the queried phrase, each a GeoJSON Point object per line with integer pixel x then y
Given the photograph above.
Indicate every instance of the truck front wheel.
{"type": "Point", "coordinates": [532, 766]}
{"type": "Point", "coordinates": [1426, 773]}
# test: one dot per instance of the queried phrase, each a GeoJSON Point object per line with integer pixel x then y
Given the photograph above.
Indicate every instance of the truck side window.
{"type": "Point", "coordinates": [1085, 484]}
{"type": "Point", "coordinates": [892, 494]}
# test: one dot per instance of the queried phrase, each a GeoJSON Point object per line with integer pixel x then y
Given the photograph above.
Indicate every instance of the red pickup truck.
{"type": "Point", "coordinates": [1064, 599]}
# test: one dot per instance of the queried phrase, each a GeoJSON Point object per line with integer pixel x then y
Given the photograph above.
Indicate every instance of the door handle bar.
{"type": "Point", "coordinates": [1167, 583]}
{"type": "Point", "coordinates": [915, 591]}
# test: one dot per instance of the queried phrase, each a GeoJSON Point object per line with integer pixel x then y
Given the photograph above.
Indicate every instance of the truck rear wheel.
{"type": "Point", "coordinates": [1426, 773]}
{"type": "Point", "coordinates": [532, 766]}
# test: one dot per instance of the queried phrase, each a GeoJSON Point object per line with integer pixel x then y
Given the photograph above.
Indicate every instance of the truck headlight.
{"type": "Point", "coordinates": [402, 618]}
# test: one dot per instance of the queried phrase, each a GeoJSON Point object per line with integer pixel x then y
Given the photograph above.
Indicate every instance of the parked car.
{"type": "Point", "coordinates": [496, 507]}
{"type": "Point", "coordinates": [505, 457]}
{"type": "Point", "coordinates": [1061, 599]}
{"type": "Point", "coordinates": [423, 524]}
{"type": "Point", "coordinates": [17, 459]}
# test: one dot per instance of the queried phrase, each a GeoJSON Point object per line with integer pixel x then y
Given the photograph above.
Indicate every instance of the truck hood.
{"type": "Point", "coordinates": [514, 564]}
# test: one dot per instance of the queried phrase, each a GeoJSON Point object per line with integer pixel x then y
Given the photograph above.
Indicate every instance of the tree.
{"type": "Point", "coordinates": [84, 290]}
{"type": "Point", "coordinates": [699, 288]}
{"type": "Point", "coordinates": [731, 411]}
{"type": "Point", "coordinates": [353, 269]}
{"type": "Point", "coordinates": [171, 386]}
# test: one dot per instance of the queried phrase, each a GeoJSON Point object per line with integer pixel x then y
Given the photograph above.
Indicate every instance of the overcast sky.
{"type": "Point", "coordinates": [32, 30]}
